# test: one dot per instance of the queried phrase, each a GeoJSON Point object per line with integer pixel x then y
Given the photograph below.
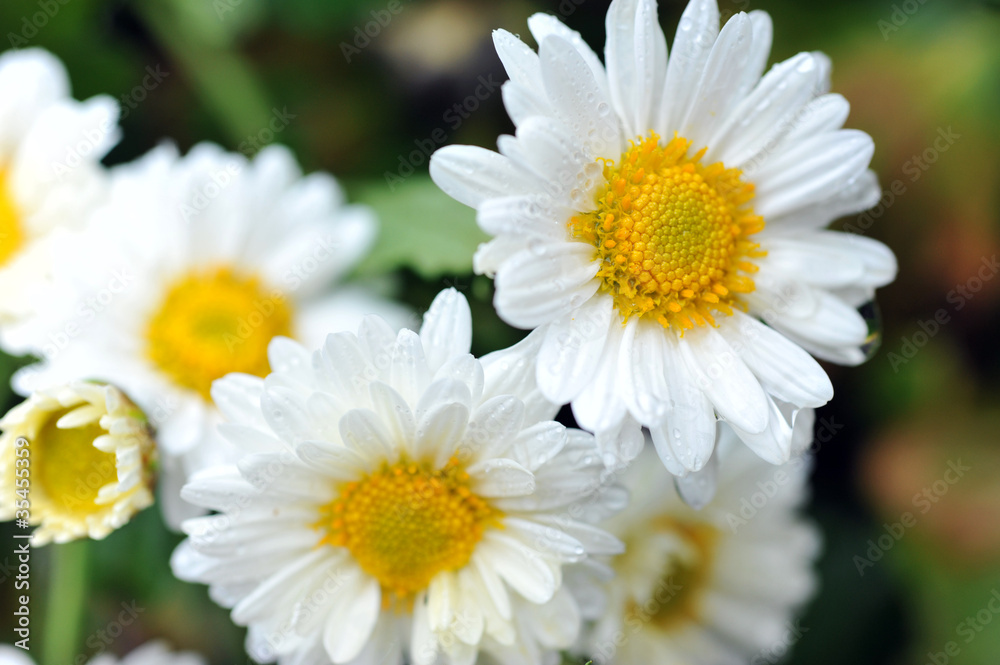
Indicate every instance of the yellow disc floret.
{"type": "Point", "coordinates": [672, 235]}
{"type": "Point", "coordinates": [677, 596]}
{"type": "Point", "coordinates": [11, 231]}
{"type": "Point", "coordinates": [215, 322]}
{"type": "Point", "coordinates": [69, 469]}
{"type": "Point", "coordinates": [407, 522]}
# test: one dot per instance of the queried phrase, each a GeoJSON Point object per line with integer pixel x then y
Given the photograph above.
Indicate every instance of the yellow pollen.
{"type": "Point", "coordinates": [67, 469]}
{"type": "Point", "coordinates": [672, 235]}
{"type": "Point", "coordinates": [214, 322]}
{"type": "Point", "coordinates": [407, 522]}
{"type": "Point", "coordinates": [11, 231]}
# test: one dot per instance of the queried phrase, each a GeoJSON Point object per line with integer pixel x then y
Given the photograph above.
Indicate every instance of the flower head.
{"type": "Point", "coordinates": [78, 459]}
{"type": "Point", "coordinates": [659, 221]}
{"type": "Point", "coordinates": [187, 272]}
{"type": "Point", "coordinates": [718, 585]}
{"type": "Point", "coordinates": [397, 496]}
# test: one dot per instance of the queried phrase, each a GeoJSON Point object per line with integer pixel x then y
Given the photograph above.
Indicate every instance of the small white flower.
{"type": "Point", "coordinates": [77, 459]}
{"type": "Point", "coordinates": [652, 214]}
{"type": "Point", "coordinates": [397, 496]}
{"type": "Point", "coordinates": [716, 586]}
{"type": "Point", "coordinates": [50, 173]}
{"type": "Point", "coordinates": [185, 275]}
{"type": "Point", "coordinates": [150, 653]}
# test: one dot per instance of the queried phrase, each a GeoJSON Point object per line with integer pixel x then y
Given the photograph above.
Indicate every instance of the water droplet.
{"type": "Point", "coordinates": [677, 433]}
{"type": "Point", "coordinates": [872, 315]}
{"type": "Point", "coordinates": [603, 109]}
{"type": "Point", "coordinates": [537, 247]}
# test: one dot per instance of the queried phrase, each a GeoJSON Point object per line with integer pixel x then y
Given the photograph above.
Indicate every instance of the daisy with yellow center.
{"type": "Point", "coordinates": [51, 177]}
{"type": "Point", "coordinates": [403, 502]}
{"type": "Point", "coordinates": [78, 460]}
{"type": "Point", "coordinates": [658, 222]}
{"type": "Point", "coordinates": [189, 270]}
{"type": "Point", "coordinates": [709, 586]}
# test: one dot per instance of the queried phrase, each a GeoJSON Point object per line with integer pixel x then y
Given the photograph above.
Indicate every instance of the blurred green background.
{"type": "Point", "coordinates": [923, 77]}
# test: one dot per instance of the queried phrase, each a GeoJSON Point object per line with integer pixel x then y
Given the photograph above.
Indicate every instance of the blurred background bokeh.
{"type": "Point", "coordinates": [907, 482]}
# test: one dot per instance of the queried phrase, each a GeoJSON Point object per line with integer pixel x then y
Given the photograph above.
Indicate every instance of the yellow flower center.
{"type": "Point", "coordinates": [407, 522]}
{"type": "Point", "coordinates": [11, 232]}
{"type": "Point", "coordinates": [66, 468]}
{"type": "Point", "coordinates": [215, 322]}
{"type": "Point", "coordinates": [676, 597]}
{"type": "Point", "coordinates": [672, 235]}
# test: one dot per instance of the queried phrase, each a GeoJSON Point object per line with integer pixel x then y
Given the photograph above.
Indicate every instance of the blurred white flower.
{"type": "Point", "coordinates": [185, 275]}
{"type": "Point", "coordinates": [397, 498]}
{"type": "Point", "coordinates": [50, 172]}
{"type": "Point", "coordinates": [716, 586]}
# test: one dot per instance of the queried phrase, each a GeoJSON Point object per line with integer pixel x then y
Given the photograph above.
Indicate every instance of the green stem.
{"type": "Point", "coordinates": [66, 598]}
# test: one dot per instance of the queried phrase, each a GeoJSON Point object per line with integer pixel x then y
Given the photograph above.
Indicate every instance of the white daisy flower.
{"type": "Point", "coordinates": [150, 653]}
{"type": "Point", "coordinates": [716, 586]}
{"type": "Point", "coordinates": [76, 460]}
{"type": "Point", "coordinates": [187, 272]}
{"type": "Point", "coordinates": [397, 498]}
{"type": "Point", "coordinates": [50, 172]}
{"type": "Point", "coordinates": [660, 222]}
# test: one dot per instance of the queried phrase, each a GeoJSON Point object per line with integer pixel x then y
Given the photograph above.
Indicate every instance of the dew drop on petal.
{"type": "Point", "coordinates": [873, 319]}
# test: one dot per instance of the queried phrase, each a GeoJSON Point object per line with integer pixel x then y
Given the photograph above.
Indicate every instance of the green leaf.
{"type": "Point", "coordinates": [421, 228]}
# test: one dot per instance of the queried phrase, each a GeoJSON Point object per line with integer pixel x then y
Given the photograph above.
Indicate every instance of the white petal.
{"type": "Point", "coordinates": [537, 286]}
{"type": "Point", "coordinates": [686, 436]}
{"type": "Point", "coordinates": [810, 170]}
{"type": "Point", "coordinates": [543, 26]}
{"type": "Point", "coordinates": [724, 378]}
{"type": "Point", "coordinates": [558, 161]}
{"type": "Point", "coordinates": [724, 73]}
{"type": "Point", "coordinates": [524, 215]}
{"type": "Point", "coordinates": [447, 328]}
{"type": "Point", "coordinates": [578, 99]}
{"type": "Point", "coordinates": [521, 567]}
{"type": "Point", "coordinates": [774, 444]}
{"type": "Point", "coordinates": [352, 620]}
{"type": "Point", "coordinates": [394, 413]}
{"type": "Point", "coordinates": [501, 478]}
{"type": "Point", "coordinates": [697, 488]}
{"type": "Point", "coordinates": [636, 57]}
{"type": "Point", "coordinates": [696, 35]}
{"type": "Point", "coordinates": [364, 431]}
{"type": "Point", "coordinates": [755, 122]}
{"type": "Point", "coordinates": [641, 371]}
{"type": "Point", "coordinates": [599, 406]}
{"type": "Point", "coordinates": [571, 349]}
{"type": "Point", "coordinates": [784, 369]}
{"type": "Point", "coordinates": [471, 174]}
{"type": "Point", "coordinates": [520, 61]}
{"type": "Point", "coordinates": [832, 324]}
